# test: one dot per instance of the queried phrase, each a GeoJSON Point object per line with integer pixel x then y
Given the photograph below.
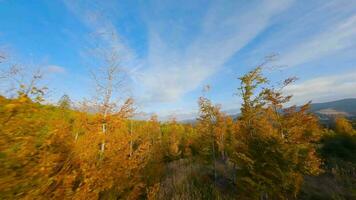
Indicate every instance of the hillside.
{"type": "Point", "coordinates": [326, 111]}
{"type": "Point", "coordinates": [346, 107]}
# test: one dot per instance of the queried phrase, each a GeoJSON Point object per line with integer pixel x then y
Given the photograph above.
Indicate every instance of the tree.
{"type": "Point", "coordinates": [21, 81]}
{"type": "Point", "coordinates": [65, 102]}
{"type": "Point", "coordinates": [207, 120]}
{"type": "Point", "coordinates": [35, 147]}
{"type": "Point", "coordinates": [109, 79]}
{"type": "Point", "coordinates": [110, 159]}
{"type": "Point", "coordinates": [343, 126]}
{"type": "Point", "coordinates": [275, 146]}
{"type": "Point", "coordinates": [26, 83]}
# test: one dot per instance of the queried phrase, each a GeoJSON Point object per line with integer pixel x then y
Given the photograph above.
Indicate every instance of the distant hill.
{"type": "Point", "coordinates": [329, 110]}
{"type": "Point", "coordinates": [326, 111]}
{"type": "Point", "coordinates": [345, 107]}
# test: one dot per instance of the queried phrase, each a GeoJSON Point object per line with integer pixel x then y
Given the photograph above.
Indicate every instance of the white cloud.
{"type": "Point", "coordinates": [169, 72]}
{"type": "Point", "coordinates": [173, 73]}
{"type": "Point", "coordinates": [326, 88]}
{"type": "Point", "coordinates": [97, 16]}
{"type": "Point", "coordinates": [104, 41]}
{"type": "Point", "coordinates": [178, 63]}
{"type": "Point", "coordinates": [338, 37]}
{"type": "Point", "coordinates": [55, 69]}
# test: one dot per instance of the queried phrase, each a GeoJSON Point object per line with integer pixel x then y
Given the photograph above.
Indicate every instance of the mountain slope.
{"type": "Point", "coordinates": [326, 111]}
{"type": "Point", "coordinates": [346, 107]}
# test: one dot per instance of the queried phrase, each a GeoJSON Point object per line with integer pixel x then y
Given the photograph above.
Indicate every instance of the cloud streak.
{"type": "Point", "coordinates": [173, 73]}
{"type": "Point", "coordinates": [331, 41]}
{"type": "Point", "coordinates": [56, 69]}
{"type": "Point", "coordinates": [326, 88]}
{"type": "Point", "coordinates": [186, 48]}
{"type": "Point", "coordinates": [97, 16]}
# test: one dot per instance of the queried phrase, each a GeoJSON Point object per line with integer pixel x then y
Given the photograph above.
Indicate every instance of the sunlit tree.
{"type": "Point", "coordinates": [275, 145]}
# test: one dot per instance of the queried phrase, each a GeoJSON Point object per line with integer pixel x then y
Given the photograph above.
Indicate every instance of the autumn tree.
{"type": "Point", "coordinates": [173, 133]}
{"type": "Point", "coordinates": [65, 102]}
{"type": "Point", "coordinates": [275, 145]}
{"type": "Point", "coordinates": [207, 120]}
{"type": "Point", "coordinates": [36, 144]}
{"type": "Point", "coordinates": [343, 126]}
{"type": "Point", "coordinates": [110, 160]}
{"type": "Point", "coordinates": [26, 82]}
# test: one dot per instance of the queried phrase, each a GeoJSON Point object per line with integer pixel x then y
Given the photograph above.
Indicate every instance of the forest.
{"type": "Point", "coordinates": [99, 151]}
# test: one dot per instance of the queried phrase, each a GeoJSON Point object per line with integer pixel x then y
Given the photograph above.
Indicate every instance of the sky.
{"type": "Point", "coordinates": [171, 49]}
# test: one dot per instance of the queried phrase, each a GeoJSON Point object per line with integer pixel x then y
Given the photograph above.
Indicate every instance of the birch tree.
{"type": "Point", "coordinates": [109, 77]}
{"type": "Point", "coordinates": [21, 81]}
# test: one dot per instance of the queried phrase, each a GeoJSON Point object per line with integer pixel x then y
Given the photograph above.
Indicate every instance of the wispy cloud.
{"type": "Point", "coordinates": [224, 30]}
{"type": "Point", "coordinates": [169, 72]}
{"type": "Point", "coordinates": [97, 15]}
{"type": "Point", "coordinates": [337, 38]}
{"type": "Point", "coordinates": [324, 88]}
{"type": "Point", "coordinates": [184, 51]}
{"type": "Point", "coordinates": [56, 69]}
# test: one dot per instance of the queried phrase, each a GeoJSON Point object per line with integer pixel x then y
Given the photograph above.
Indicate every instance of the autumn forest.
{"type": "Point", "coordinates": [178, 100]}
{"type": "Point", "coordinates": [270, 151]}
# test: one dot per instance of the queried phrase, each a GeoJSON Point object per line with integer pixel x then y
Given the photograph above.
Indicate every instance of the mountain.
{"type": "Point", "coordinates": [329, 110]}
{"type": "Point", "coordinates": [326, 111]}
{"type": "Point", "coordinates": [345, 107]}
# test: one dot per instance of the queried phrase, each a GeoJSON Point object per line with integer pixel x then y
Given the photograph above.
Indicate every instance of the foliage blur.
{"type": "Point", "coordinates": [269, 152]}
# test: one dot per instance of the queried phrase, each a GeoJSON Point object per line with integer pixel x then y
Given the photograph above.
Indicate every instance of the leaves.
{"type": "Point", "coordinates": [49, 152]}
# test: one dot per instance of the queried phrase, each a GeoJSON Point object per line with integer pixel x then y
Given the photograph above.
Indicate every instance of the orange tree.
{"type": "Point", "coordinates": [275, 146]}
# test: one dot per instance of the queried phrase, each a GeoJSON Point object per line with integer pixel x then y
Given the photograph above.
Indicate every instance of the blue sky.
{"type": "Point", "coordinates": [173, 48]}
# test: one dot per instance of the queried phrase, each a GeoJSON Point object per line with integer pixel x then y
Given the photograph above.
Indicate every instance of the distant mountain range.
{"type": "Point", "coordinates": [329, 110]}
{"type": "Point", "coordinates": [325, 111]}
{"type": "Point", "coordinates": [345, 107]}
